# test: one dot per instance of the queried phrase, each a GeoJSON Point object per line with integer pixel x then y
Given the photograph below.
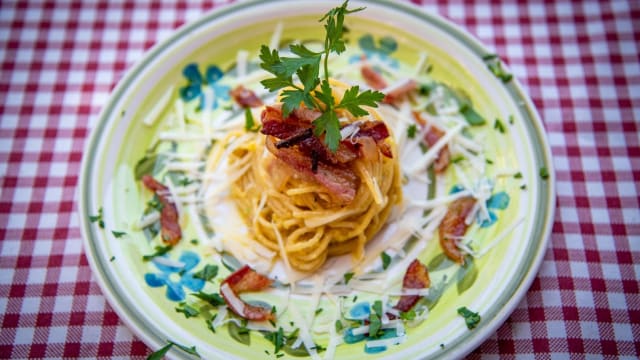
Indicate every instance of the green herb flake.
{"type": "Point", "coordinates": [213, 299]}
{"type": "Point", "coordinates": [470, 318]}
{"type": "Point", "coordinates": [511, 119]}
{"type": "Point", "coordinates": [339, 326]}
{"type": "Point", "coordinates": [318, 311]}
{"type": "Point", "coordinates": [498, 125]}
{"type": "Point", "coordinates": [210, 323]}
{"type": "Point", "coordinates": [187, 310]}
{"type": "Point", "coordinates": [159, 251]}
{"type": "Point", "coordinates": [118, 234]}
{"type": "Point", "coordinates": [470, 115]}
{"type": "Point", "coordinates": [544, 173]}
{"type": "Point", "coordinates": [411, 131]}
{"type": "Point", "coordinates": [489, 161]}
{"type": "Point", "coordinates": [207, 273]}
{"type": "Point", "coordinates": [249, 122]}
{"type": "Point", "coordinates": [112, 258]}
{"type": "Point", "coordinates": [347, 277]}
{"type": "Point", "coordinates": [277, 338]}
{"type": "Point", "coordinates": [457, 159]}
{"type": "Point", "coordinates": [494, 64]}
{"type": "Point", "coordinates": [408, 315]}
{"type": "Point", "coordinates": [386, 260]}
{"type": "Point", "coordinates": [160, 353]}
{"type": "Point", "coordinates": [518, 175]}
{"type": "Point", "coordinates": [306, 66]}
{"type": "Point", "coordinates": [97, 218]}
{"type": "Point", "coordinates": [523, 187]}
{"type": "Point", "coordinates": [194, 241]}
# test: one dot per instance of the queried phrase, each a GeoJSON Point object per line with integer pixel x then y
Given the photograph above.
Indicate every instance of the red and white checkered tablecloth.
{"type": "Point", "coordinates": [578, 60]}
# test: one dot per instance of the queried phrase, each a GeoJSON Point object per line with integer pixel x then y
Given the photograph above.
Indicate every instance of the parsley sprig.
{"type": "Point", "coordinates": [306, 66]}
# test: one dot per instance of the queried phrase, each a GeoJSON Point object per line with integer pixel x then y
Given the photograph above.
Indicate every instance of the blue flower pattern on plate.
{"type": "Point", "coordinates": [497, 201]}
{"type": "Point", "coordinates": [183, 271]}
{"type": "Point", "coordinates": [383, 50]}
{"type": "Point", "coordinates": [196, 81]}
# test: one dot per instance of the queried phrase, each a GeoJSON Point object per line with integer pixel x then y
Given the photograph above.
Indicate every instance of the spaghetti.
{"type": "Point", "coordinates": [307, 215]}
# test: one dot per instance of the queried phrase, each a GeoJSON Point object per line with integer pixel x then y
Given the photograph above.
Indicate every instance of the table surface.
{"type": "Point", "coordinates": [578, 61]}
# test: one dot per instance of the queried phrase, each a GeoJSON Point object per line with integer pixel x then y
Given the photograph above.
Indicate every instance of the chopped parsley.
{"type": "Point", "coordinates": [495, 66]}
{"type": "Point", "coordinates": [277, 338]}
{"type": "Point", "coordinates": [498, 125]}
{"type": "Point", "coordinates": [97, 218]}
{"type": "Point", "coordinates": [411, 131]}
{"type": "Point", "coordinates": [249, 122]}
{"type": "Point", "coordinates": [470, 115]}
{"type": "Point", "coordinates": [386, 260]}
{"type": "Point", "coordinates": [470, 318]}
{"type": "Point", "coordinates": [408, 315]}
{"type": "Point", "coordinates": [544, 173]}
{"type": "Point", "coordinates": [214, 299]}
{"type": "Point", "coordinates": [375, 322]}
{"type": "Point", "coordinates": [159, 251]}
{"type": "Point", "coordinates": [347, 277]}
{"type": "Point", "coordinates": [118, 234]}
{"type": "Point", "coordinates": [339, 326]}
{"type": "Point", "coordinates": [187, 310]}
{"type": "Point", "coordinates": [112, 258]}
{"type": "Point", "coordinates": [306, 66]}
{"type": "Point", "coordinates": [159, 354]}
{"type": "Point", "coordinates": [518, 175]}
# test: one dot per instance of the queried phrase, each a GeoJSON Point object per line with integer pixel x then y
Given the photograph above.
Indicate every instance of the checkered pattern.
{"type": "Point", "coordinates": [578, 60]}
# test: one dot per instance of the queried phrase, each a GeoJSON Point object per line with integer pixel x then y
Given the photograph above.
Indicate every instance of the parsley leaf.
{"type": "Point", "coordinates": [118, 234]}
{"type": "Point", "coordinates": [544, 173]}
{"type": "Point", "coordinates": [187, 310]}
{"type": "Point", "coordinates": [97, 218]}
{"type": "Point", "coordinates": [306, 66]}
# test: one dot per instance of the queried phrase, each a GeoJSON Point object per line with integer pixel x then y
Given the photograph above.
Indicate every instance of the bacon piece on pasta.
{"type": "Point", "coordinates": [245, 279]}
{"type": "Point", "coordinates": [245, 97]}
{"type": "Point", "coordinates": [431, 137]}
{"type": "Point", "coordinates": [372, 77]}
{"type": "Point", "coordinates": [169, 217]}
{"type": "Point", "coordinates": [416, 277]}
{"type": "Point", "coordinates": [341, 182]}
{"type": "Point", "coordinates": [453, 226]}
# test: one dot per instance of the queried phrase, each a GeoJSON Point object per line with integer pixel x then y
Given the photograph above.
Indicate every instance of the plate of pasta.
{"type": "Point", "coordinates": [316, 179]}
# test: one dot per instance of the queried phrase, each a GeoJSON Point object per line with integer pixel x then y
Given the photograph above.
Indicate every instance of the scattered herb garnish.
{"type": "Point", "coordinates": [249, 122]}
{"type": "Point", "coordinates": [97, 218]}
{"type": "Point", "coordinates": [498, 125]}
{"type": "Point", "coordinates": [318, 311]}
{"type": "Point", "coordinates": [523, 187]}
{"type": "Point", "coordinates": [408, 315]}
{"type": "Point", "coordinates": [194, 241]}
{"type": "Point", "coordinates": [411, 131]}
{"type": "Point", "coordinates": [214, 299]}
{"type": "Point", "coordinates": [375, 322]}
{"type": "Point", "coordinates": [347, 277]}
{"type": "Point", "coordinates": [470, 318]}
{"type": "Point", "coordinates": [339, 326]}
{"type": "Point", "coordinates": [489, 161]}
{"type": "Point", "coordinates": [277, 339]}
{"type": "Point", "coordinates": [207, 273]}
{"type": "Point", "coordinates": [187, 310]}
{"type": "Point", "coordinates": [118, 234]}
{"type": "Point", "coordinates": [112, 258]}
{"type": "Point", "coordinates": [544, 173]}
{"type": "Point", "coordinates": [210, 323]}
{"type": "Point", "coordinates": [470, 115]}
{"type": "Point", "coordinates": [511, 119]}
{"type": "Point", "coordinates": [457, 159]}
{"type": "Point", "coordinates": [159, 354]}
{"type": "Point", "coordinates": [184, 181]}
{"type": "Point", "coordinates": [495, 66]}
{"type": "Point", "coordinates": [386, 260]}
{"type": "Point", "coordinates": [306, 65]}
{"type": "Point", "coordinates": [159, 251]}
{"type": "Point", "coordinates": [518, 175]}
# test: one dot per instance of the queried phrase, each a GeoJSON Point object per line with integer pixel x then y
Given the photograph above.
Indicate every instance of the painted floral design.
{"type": "Point", "coordinates": [196, 81]}
{"type": "Point", "coordinates": [381, 50]}
{"type": "Point", "coordinates": [176, 275]}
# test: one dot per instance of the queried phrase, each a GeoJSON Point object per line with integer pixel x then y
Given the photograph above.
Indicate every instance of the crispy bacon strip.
{"type": "Point", "coordinates": [431, 137]}
{"type": "Point", "coordinates": [341, 182]}
{"type": "Point", "coordinates": [245, 97]}
{"type": "Point", "coordinates": [243, 280]}
{"type": "Point", "coordinates": [169, 217]}
{"type": "Point", "coordinates": [372, 77]}
{"type": "Point", "coordinates": [416, 277]}
{"type": "Point", "coordinates": [400, 91]}
{"type": "Point", "coordinates": [453, 225]}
